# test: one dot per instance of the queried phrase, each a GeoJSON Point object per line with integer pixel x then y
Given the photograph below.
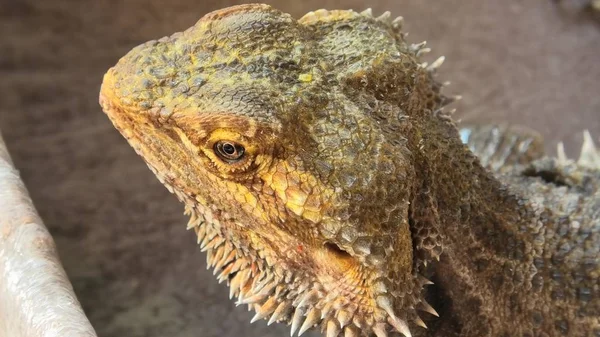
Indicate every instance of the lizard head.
{"type": "Point", "coordinates": [293, 144]}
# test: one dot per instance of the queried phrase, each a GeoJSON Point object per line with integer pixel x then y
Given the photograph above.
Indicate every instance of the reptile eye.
{"type": "Point", "coordinates": [228, 151]}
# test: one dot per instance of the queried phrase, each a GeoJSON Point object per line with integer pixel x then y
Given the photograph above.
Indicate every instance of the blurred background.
{"type": "Point", "coordinates": [121, 235]}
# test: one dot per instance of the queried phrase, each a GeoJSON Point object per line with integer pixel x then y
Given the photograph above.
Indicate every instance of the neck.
{"type": "Point", "coordinates": [479, 224]}
{"type": "Point", "coordinates": [471, 203]}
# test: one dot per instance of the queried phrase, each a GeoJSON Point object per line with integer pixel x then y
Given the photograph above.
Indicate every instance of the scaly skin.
{"type": "Point", "coordinates": [327, 185]}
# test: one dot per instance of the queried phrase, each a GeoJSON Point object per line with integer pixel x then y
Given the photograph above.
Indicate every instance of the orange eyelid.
{"type": "Point", "coordinates": [227, 168]}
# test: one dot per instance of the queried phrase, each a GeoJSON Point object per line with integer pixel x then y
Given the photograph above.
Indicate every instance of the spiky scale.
{"type": "Point", "coordinates": [217, 256]}
{"type": "Point", "coordinates": [296, 320]}
{"type": "Point", "coordinates": [245, 285]}
{"type": "Point", "coordinates": [561, 155]}
{"type": "Point", "coordinates": [312, 317]}
{"type": "Point", "coordinates": [228, 270]}
{"type": "Point", "coordinates": [235, 284]}
{"type": "Point", "coordinates": [398, 22]}
{"type": "Point", "coordinates": [423, 280]}
{"type": "Point", "coordinates": [310, 298]}
{"type": "Point", "coordinates": [419, 322]}
{"type": "Point", "coordinates": [260, 281]}
{"type": "Point", "coordinates": [380, 330]}
{"type": "Point", "coordinates": [191, 223]}
{"type": "Point", "coordinates": [187, 208]}
{"type": "Point", "coordinates": [221, 278]}
{"type": "Point", "coordinates": [203, 242]}
{"type": "Point", "coordinates": [209, 258]}
{"type": "Point", "coordinates": [418, 46]}
{"type": "Point", "coordinates": [252, 299]}
{"type": "Point", "coordinates": [385, 17]}
{"type": "Point", "coordinates": [424, 306]}
{"type": "Point", "coordinates": [232, 291]}
{"type": "Point", "coordinates": [385, 303]}
{"type": "Point", "coordinates": [246, 275]}
{"type": "Point", "coordinates": [333, 329]}
{"type": "Point", "coordinates": [379, 287]}
{"type": "Point", "coordinates": [303, 287]}
{"type": "Point", "coordinates": [436, 64]}
{"type": "Point", "coordinates": [281, 310]}
{"type": "Point", "coordinates": [344, 317]}
{"type": "Point", "coordinates": [423, 51]}
{"type": "Point", "coordinates": [223, 261]}
{"type": "Point", "coordinates": [367, 12]}
{"type": "Point", "coordinates": [266, 309]}
{"type": "Point", "coordinates": [400, 325]}
{"type": "Point", "coordinates": [589, 155]}
{"type": "Point", "coordinates": [200, 231]}
{"type": "Point", "coordinates": [326, 309]}
{"type": "Point", "coordinates": [350, 331]}
{"type": "Point", "coordinates": [216, 242]}
{"type": "Point", "coordinates": [269, 288]}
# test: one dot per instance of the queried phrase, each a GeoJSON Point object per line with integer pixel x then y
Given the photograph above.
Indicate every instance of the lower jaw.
{"type": "Point", "coordinates": [283, 298]}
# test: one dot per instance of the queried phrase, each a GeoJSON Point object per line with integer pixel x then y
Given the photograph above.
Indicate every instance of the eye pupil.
{"type": "Point", "coordinates": [229, 151]}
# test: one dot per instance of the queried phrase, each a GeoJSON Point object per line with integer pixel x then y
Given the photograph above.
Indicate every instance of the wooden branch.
{"type": "Point", "coordinates": [36, 297]}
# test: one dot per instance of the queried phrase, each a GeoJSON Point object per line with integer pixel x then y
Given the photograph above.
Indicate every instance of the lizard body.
{"type": "Point", "coordinates": [329, 188]}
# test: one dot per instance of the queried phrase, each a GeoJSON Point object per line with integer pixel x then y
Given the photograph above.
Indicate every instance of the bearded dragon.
{"type": "Point", "coordinates": [330, 188]}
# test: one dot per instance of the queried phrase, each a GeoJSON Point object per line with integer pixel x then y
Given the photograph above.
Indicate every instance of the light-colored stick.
{"type": "Point", "coordinates": [36, 297]}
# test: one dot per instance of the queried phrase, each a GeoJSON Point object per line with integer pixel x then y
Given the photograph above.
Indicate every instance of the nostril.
{"type": "Point", "coordinates": [335, 249]}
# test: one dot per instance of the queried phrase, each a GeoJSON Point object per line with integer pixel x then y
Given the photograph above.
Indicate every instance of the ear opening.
{"type": "Point", "coordinates": [337, 250]}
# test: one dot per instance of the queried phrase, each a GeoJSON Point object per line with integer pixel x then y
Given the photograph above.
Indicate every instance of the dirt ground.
{"type": "Point", "coordinates": [122, 236]}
